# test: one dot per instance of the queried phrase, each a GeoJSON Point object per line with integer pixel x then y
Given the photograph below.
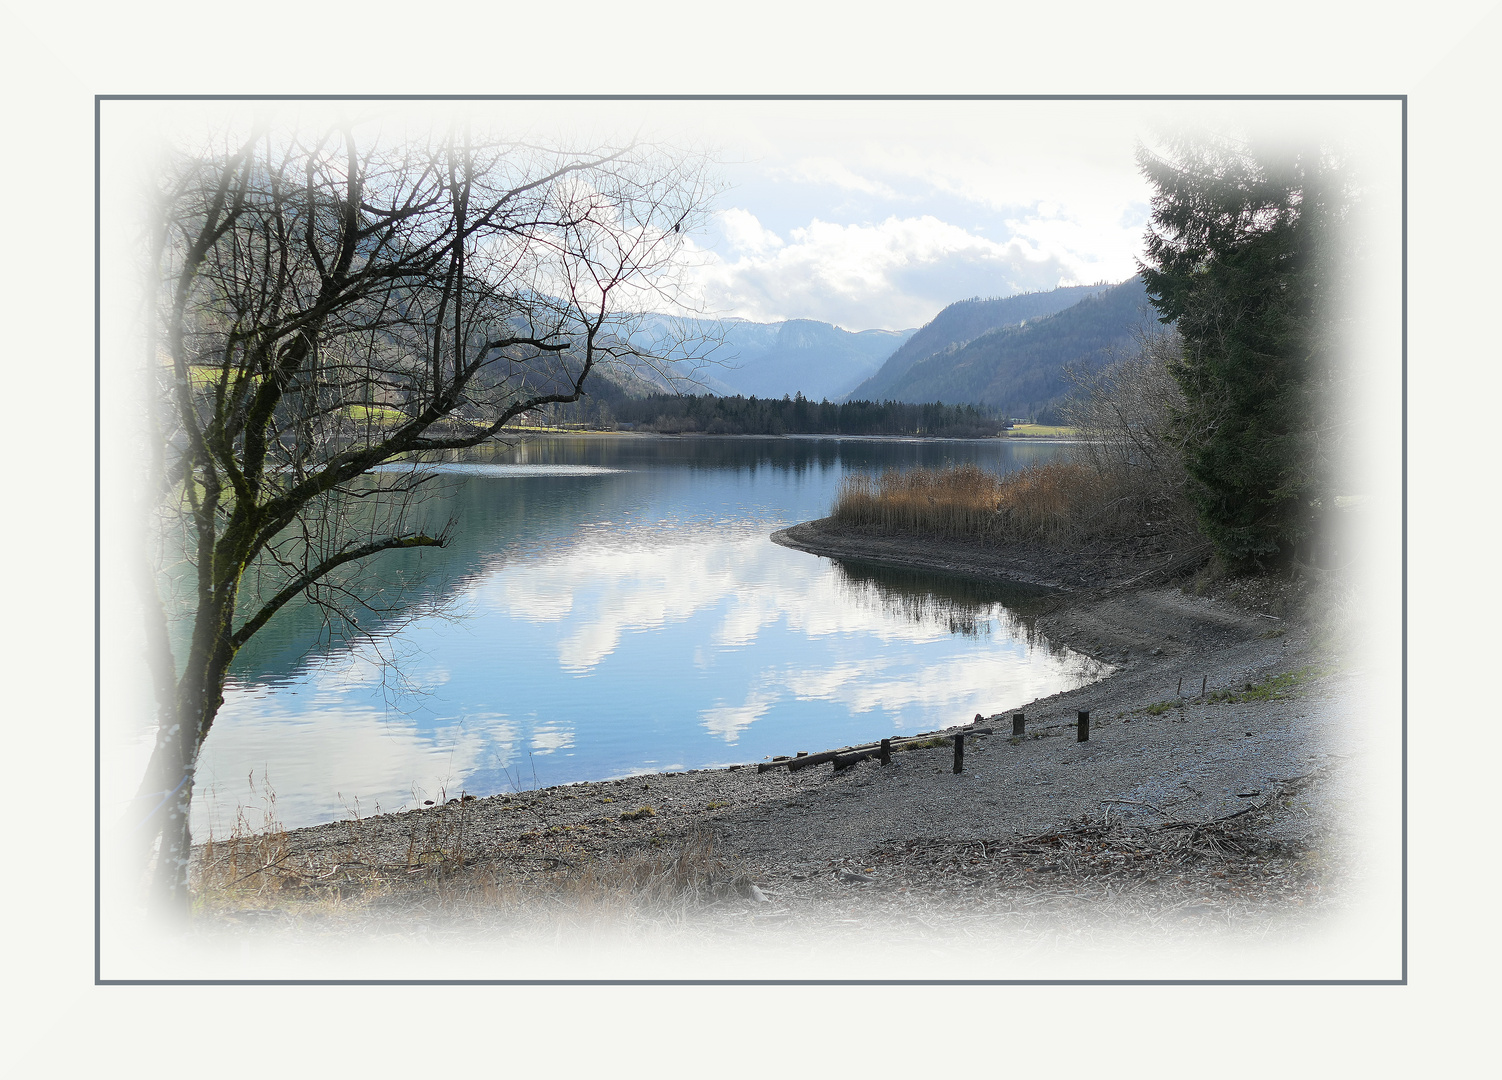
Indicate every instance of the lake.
{"type": "Point", "coordinates": [613, 605]}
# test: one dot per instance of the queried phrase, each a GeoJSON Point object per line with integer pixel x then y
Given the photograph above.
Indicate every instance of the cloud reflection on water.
{"type": "Point", "coordinates": [740, 585]}
{"type": "Point", "coordinates": [359, 751]}
{"type": "Point", "coordinates": [609, 590]}
{"type": "Point", "coordinates": [592, 628]}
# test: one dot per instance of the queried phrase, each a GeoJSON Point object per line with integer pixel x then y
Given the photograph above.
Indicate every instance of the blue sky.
{"type": "Point", "coordinates": [878, 214]}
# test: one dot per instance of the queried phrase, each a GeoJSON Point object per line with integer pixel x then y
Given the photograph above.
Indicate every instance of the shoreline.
{"type": "Point", "coordinates": [1253, 750]}
{"type": "Point", "coordinates": [1062, 440]}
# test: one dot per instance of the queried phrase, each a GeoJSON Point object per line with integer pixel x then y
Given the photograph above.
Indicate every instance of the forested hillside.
{"type": "Point", "coordinates": [964, 321]}
{"type": "Point", "coordinates": [1019, 370]}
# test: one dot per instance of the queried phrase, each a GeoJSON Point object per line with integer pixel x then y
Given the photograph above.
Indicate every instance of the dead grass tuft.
{"type": "Point", "coordinates": [245, 863]}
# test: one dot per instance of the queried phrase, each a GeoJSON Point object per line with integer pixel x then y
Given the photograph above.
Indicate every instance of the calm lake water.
{"type": "Point", "coordinates": [611, 606]}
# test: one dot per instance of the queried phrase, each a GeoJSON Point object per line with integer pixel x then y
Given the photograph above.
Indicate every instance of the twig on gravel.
{"type": "Point", "coordinates": [1129, 802]}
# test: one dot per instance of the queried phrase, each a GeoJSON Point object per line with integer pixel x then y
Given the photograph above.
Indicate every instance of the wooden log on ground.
{"type": "Point", "coordinates": [812, 759]}
{"type": "Point", "coordinates": [844, 761]}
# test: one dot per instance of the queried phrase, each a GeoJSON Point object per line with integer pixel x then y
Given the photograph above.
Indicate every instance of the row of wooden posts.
{"type": "Point", "coordinates": [843, 759]}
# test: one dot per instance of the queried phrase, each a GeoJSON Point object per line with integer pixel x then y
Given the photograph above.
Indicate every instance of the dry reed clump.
{"type": "Point", "coordinates": [1052, 503]}
{"type": "Point", "coordinates": [441, 875]}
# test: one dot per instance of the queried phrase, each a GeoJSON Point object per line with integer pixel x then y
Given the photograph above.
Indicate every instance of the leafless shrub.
{"type": "Point", "coordinates": [1123, 412]}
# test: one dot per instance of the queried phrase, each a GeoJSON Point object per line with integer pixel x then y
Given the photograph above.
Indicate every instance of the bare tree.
{"type": "Point", "coordinates": [328, 302]}
{"type": "Point", "coordinates": [1128, 414]}
{"type": "Point", "coordinates": [1125, 409]}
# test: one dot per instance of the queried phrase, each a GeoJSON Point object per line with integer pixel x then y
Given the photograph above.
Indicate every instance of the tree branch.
{"type": "Point", "coordinates": [333, 562]}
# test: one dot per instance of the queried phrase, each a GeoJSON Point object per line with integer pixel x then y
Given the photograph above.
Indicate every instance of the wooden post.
{"type": "Point", "coordinates": [1083, 731]}
{"type": "Point", "coordinates": [1203, 679]}
{"type": "Point", "coordinates": [959, 752]}
{"type": "Point", "coordinates": [886, 751]}
{"type": "Point", "coordinates": [1019, 722]}
{"type": "Point", "coordinates": [1181, 687]}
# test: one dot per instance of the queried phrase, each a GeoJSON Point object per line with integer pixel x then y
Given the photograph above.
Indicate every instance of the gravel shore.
{"type": "Point", "coordinates": [1214, 810]}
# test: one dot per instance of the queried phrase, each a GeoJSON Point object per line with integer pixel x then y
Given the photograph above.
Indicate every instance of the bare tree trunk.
{"type": "Point", "coordinates": [169, 890]}
{"type": "Point", "coordinates": [175, 758]}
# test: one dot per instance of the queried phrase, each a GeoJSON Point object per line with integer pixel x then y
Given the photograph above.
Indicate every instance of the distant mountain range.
{"type": "Point", "coordinates": [800, 355]}
{"type": "Point", "coordinates": [816, 359]}
{"type": "Point", "coordinates": [1008, 355]}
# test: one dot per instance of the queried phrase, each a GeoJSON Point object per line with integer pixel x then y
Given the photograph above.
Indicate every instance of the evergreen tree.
{"type": "Point", "coordinates": [1240, 254]}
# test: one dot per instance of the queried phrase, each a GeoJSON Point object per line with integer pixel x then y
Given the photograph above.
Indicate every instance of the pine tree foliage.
{"type": "Point", "coordinates": [1243, 257]}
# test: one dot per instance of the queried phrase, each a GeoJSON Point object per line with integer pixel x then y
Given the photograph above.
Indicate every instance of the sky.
{"type": "Point", "coordinates": [878, 214]}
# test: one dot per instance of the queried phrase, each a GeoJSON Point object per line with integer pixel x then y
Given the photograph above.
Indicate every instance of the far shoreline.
{"type": "Point", "coordinates": [531, 432]}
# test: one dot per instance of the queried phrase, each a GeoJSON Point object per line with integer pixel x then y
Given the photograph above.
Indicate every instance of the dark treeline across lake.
{"type": "Point", "coordinates": [713, 415]}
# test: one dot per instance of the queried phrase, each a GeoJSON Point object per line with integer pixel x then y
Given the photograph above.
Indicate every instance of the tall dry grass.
{"type": "Point", "coordinates": [1053, 504]}
{"type": "Point", "coordinates": [246, 861]}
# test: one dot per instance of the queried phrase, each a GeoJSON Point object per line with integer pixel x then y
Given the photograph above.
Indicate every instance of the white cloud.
{"type": "Point", "coordinates": [1011, 673]}
{"type": "Point", "coordinates": [828, 170]}
{"type": "Point", "coordinates": [608, 592]}
{"type": "Point", "coordinates": [594, 641]}
{"type": "Point", "coordinates": [893, 274]}
{"type": "Point", "coordinates": [551, 737]}
{"type": "Point", "coordinates": [743, 232]}
{"type": "Point", "coordinates": [825, 684]}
